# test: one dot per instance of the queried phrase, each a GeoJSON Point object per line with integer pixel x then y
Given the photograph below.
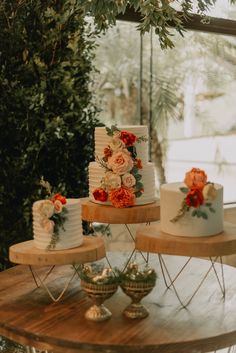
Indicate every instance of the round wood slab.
{"type": "Point", "coordinates": [151, 239]}
{"type": "Point", "coordinates": [28, 316]}
{"type": "Point", "coordinates": [94, 212]}
{"type": "Point", "coordinates": [25, 253]}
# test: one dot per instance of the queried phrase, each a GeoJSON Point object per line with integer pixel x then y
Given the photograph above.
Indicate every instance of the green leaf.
{"type": "Point", "coordinates": [138, 193]}
{"type": "Point", "coordinates": [212, 209]}
{"type": "Point", "coordinates": [208, 204]}
{"type": "Point", "coordinates": [194, 213]}
{"type": "Point", "coordinates": [204, 215]}
{"type": "Point", "coordinates": [184, 190]}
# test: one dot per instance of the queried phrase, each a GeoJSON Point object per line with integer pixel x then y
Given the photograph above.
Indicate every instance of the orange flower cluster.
{"type": "Point", "coordinates": [195, 179]}
{"type": "Point", "coordinates": [128, 138]}
{"type": "Point", "coordinates": [60, 198]}
{"type": "Point", "coordinates": [122, 197]}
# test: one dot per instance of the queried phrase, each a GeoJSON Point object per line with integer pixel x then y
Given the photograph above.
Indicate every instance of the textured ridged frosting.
{"type": "Point", "coordinates": [189, 226]}
{"type": "Point", "coordinates": [96, 173]}
{"type": "Point", "coordinates": [71, 237]}
{"type": "Point", "coordinates": [102, 140]}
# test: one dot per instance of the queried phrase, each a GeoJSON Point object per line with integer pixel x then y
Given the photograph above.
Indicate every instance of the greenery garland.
{"type": "Point", "coordinates": [153, 13]}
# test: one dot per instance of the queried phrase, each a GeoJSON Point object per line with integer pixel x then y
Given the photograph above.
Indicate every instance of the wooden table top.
{"type": "Point", "coordinates": [25, 253]}
{"type": "Point", "coordinates": [94, 212]}
{"type": "Point", "coordinates": [29, 317]}
{"type": "Point", "coordinates": [151, 239]}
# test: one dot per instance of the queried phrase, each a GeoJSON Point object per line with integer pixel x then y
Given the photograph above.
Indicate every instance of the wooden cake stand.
{"type": "Point", "coordinates": [152, 239]}
{"type": "Point", "coordinates": [93, 212]}
{"type": "Point", "coordinates": [92, 249]}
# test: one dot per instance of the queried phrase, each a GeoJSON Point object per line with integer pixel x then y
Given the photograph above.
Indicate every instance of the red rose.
{"type": "Point", "coordinates": [100, 195]}
{"type": "Point", "coordinates": [128, 138]}
{"type": "Point", "coordinates": [60, 198]}
{"type": "Point", "coordinates": [107, 152]}
{"type": "Point", "coordinates": [194, 198]}
{"type": "Point", "coordinates": [138, 163]}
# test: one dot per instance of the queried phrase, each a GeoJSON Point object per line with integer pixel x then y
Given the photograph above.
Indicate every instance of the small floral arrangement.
{"type": "Point", "coordinates": [122, 183]}
{"type": "Point", "coordinates": [98, 274]}
{"type": "Point", "coordinates": [134, 274]}
{"type": "Point", "coordinates": [52, 213]}
{"type": "Point", "coordinates": [199, 194]}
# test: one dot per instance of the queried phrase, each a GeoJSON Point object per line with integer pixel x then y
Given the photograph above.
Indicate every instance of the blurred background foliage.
{"type": "Point", "coordinates": [47, 114]}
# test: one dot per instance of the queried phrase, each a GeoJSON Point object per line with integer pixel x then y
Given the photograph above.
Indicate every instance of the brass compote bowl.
{"type": "Point", "coordinates": [137, 284]}
{"type": "Point", "coordinates": [98, 293]}
{"type": "Point", "coordinates": [99, 284]}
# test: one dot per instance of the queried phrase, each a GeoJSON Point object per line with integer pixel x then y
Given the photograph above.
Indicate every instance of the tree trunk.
{"type": "Point", "coordinates": [157, 156]}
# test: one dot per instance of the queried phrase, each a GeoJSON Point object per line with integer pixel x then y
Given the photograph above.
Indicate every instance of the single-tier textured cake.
{"type": "Point", "coordinates": [121, 175]}
{"type": "Point", "coordinates": [52, 232]}
{"type": "Point", "coordinates": [193, 208]}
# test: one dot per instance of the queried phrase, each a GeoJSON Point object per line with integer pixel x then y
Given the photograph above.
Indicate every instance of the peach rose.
{"type": "Point", "coordinates": [122, 197]}
{"type": "Point", "coordinates": [46, 209]}
{"type": "Point", "coordinates": [48, 225]}
{"type": "Point", "coordinates": [209, 192]}
{"type": "Point", "coordinates": [111, 181]}
{"type": "Point", "coordinates": [195, 178]}
{"type": "Point", "coordinates": [120, 162]}
{"type": "Point", "coordinates": [58, 206]}
{"type": "Point", "coordinates": [117, 144]}
{"type": "Point", "coordinates": [128, 180]}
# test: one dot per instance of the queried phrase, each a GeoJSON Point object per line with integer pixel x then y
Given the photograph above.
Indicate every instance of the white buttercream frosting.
{"type": "Point", "coordinates": [102, 140]}
{"type": "Point", "coordinates": [171, 199]}
{"type": "Point", "coordinates": [70, 237]}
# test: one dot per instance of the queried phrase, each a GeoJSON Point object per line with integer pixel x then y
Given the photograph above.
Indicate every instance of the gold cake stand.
{"type": "Point", "coordinates": [93, 212]}
{"type": "Point", "coordinates": [25, 253]}
{"type": "Point", "coordinates": [153, 240]}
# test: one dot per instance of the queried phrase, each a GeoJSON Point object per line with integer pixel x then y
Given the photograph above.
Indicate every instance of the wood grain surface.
{"type": "Point", "coordinates": [28, 316]}
{"type": "Point", "coordinates": [151, 239]}
{"type": "Point", "coordinates": [93, 212]}
{"type": "Point", "coordinates": [25, 253]}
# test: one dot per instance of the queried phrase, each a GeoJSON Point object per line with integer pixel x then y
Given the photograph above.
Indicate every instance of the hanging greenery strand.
{"type": "Point", "coordinates": [156, 14]}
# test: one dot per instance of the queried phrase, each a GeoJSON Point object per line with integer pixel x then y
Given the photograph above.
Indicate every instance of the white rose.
{"type": "Point", "coordinates": [111, 180]}
{"type": "Point", "coordinates": [48, 225]}
{"type": "Point", "coordinates": [209, 192]}
{"type": "Point", "coordinates": [116, 144]}
{"type": "Point", "coordinates": [58, 206]}
{"type": "Point", "coordinates": [120, 163]}
{"type": "Point", "coordinates": [128, 180]}
{"type": "Point", "coordinates": [46, 209]}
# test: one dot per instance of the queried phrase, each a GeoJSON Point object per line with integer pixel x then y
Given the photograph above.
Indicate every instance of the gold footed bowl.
{"type": "Point", "coordinates": [98, 293]}
{"type": "Point", "coordinates": [136, 291]}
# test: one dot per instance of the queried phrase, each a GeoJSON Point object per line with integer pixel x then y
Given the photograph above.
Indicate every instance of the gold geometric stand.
{"type": "Point", "coordinates": [152, 240]}
{"type": "Point", "coordinates": [106, 214]}
{"type": "Point", "coordinates": [92, 249]}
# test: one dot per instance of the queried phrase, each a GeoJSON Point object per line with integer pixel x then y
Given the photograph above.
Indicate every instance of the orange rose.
{"type": "Point", "coordinates": [100, 194]}
{"type": "Point", "coordinates": [194, 198]}
{"type": "Point", "coordinates": [128, 138]}
{"type": "Point", "coordinates": [60, 198]}
{"type": "Point", "coordinates": [122, 197]}
{"type": "Point", "coordinates": [195, 178]}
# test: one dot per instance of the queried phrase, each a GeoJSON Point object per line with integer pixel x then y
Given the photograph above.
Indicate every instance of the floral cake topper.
{"type": "Point", "coordinates": [52, 213]}
{"type": "Point", "coordinates": [122, 182]}
{"type": "Point", "coordinates": [199, 194]}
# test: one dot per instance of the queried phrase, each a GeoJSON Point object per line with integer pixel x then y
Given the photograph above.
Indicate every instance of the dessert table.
{"type": "Point", "coordinates": [28, 316]}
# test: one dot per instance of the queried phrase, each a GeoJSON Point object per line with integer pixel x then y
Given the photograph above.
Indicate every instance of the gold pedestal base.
{"type": "Point", "coordinates": [98, 313]}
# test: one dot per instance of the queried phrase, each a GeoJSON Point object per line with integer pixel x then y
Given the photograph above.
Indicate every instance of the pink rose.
{"type": "Point", "coordinates": [58, 206]}
{"type": "Point", "coordinates": [128, 180]}
{"type": "Point", "coordinates": [120, 162]}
